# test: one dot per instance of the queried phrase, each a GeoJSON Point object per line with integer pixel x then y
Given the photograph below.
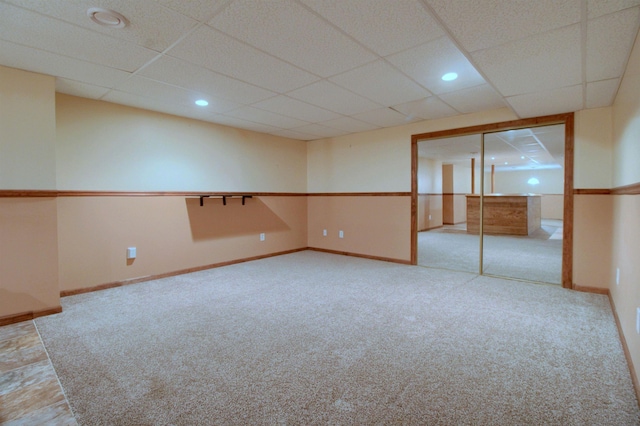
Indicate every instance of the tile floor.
{"type": "Point", "coordinates": [30, 393]}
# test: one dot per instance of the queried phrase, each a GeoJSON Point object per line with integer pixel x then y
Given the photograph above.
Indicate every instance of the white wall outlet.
{"type": "Point", "coordinates": [638, 321]}
{"type": "Point", "coordinates": [617, 276]}
{"type": "Point", "coordinates": [341, 233]}
{"type": "Point", "coordinates": [262, 236]}
{"type": "Point", "coordinates": [324, 232]}
{"type": "Point", "coordinates": [131, 253]}
{"type": "Point", "coordinates": [429, 217]}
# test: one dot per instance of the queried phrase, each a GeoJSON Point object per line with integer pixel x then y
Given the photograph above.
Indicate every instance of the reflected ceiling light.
{"type": "Point", "coordinates": [533, 181]}
{"type": "Point", "coordinates": [107, 18]}
{"type": "Point", "coordinates": [493, 158]}
{"type": "Point", "coordinates": [522, 157]}
{"type": "Point", "coordinates": [202, 102]}
{"type": "Point", "coordinates": [450, 76]}
{"type": "Point", "coordinates": [506, 162]}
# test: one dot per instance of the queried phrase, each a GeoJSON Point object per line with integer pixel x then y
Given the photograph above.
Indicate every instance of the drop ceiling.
{"type": "Point", "coordinates": [308, 69]}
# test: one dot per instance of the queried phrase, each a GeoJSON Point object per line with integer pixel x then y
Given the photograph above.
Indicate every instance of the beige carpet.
{"type": "Point", "coordinates": [313, 338]}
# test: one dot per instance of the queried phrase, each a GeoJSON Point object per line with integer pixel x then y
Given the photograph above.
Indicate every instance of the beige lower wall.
{"type": "Point", "coordinates": [430, 205]}
{"type": "Point", "coordinates": [459, 208]}
{"type": "Point", "coordinates": [626, 253]}
{"type": "Point", "coordinates": [592, 241]}
{"type": "Point", "coordinates": [28, 256]}
{"type": "Point", "coordinates": [171, 233]}
{"type": "Point", "coordinates": [552, 206]}
{"type": "Point", "coordinates": [378, 226]}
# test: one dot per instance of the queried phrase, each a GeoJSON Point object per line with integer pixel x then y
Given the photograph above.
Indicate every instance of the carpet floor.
{"type": "Point", "coordinates": [314, 338]}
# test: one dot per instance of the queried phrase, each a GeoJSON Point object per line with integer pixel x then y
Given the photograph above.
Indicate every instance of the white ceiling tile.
{"type": "Point", "coordinates": [541, 62]}
{"type": "Point", "coordinates": [381, 83]}
{"type": "Point", "coordinates": [200, 79]}
{"type": "Point", "coordinates": [609, 41]}
{"type": "Point", "coordinates": [427, 109]}
{"type": "Point", "coordinates": [480, 24]}
{"type": "Point", "coordinates": [291, 32]}
{"type": "Point", "coordinates": [290, 107]}
{"type": "Point", "coordinates": [142, 86]}
{"type": "Point", "coordinates": [369, 22]}
{"type": "Point", "coordinates": [219, 52]}
{"type": "Point", "coordinates": [202, 10]}
{"type": "Point", "coordinates": [150, 24]}
{"type": "Point", "coordinates": [597, 8]}
{"type": "Point", "coordinates": [27, 58]}
{"type": "Point", "coordinates": [265, 117]}
{"type": "Point", "coordinates": [82, 90]}
{"type": "Point", "coordinates": [349, 125]}
{"type": "Point", "coordinates": [602, 93]}
{"type": "Point", "coordinates": [291, 134]}
{"type": "Point", "coordinates": [243, 124]}
{"type": "Point", "coordinates": [557, 101]}
{"type": "Point", "coordinates": [384, 117]}
{"type": "Point", "coordinates": [151, 104]}
{"type": "Point", "coordinates": [334, 98]}
{"type": "Point", "coordinates": [319, 131]}
{"type": "Point", "coordinates": [69, 40]}
{"type": "Point", "coordinates": [427, 63]}
{"type": "Point", "coordinates": [474, 99]}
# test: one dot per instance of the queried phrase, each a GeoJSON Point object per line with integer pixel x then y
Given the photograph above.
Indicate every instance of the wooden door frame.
{"type": "Point", "coordinates": [567, 230]}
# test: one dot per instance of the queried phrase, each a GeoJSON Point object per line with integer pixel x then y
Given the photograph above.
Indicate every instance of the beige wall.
{"type": "Point", "coordinates": [27, 130]}
{"type": "Point", "coordinates": [593, 155]}
{"type": "Point", "coordinates": [377, 226]}
{"type": "Point", "coordinates": [170, 234]}
{"type": "Point", "coordinates": [28, 228]}
{"type": "Point", "coordinates": [28, 256]}
{"type": "Point", "coordinates": [109, 147]}
{"type": "Point", "coordinates": [626, 208]}
{"type": "Point", "coordinates": [379, 160]}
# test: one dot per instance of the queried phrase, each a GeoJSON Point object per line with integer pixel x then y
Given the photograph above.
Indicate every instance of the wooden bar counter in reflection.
{"type": "Point", "coordinates": [511, 214]}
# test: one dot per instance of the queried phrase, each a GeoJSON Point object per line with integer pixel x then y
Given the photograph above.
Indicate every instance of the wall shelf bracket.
{"type": "Point", "coordinates": [224, 198]}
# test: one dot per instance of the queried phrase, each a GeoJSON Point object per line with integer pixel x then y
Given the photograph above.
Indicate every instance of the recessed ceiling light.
{"type": "Point", "coordinates": [506, 162]}
{"type": "Point", "coordinates": [533, 181]}
{"type": "Point", "coordinates": [202, 102]}
{"type": "Point", "coordinates": [522, 157]}
{"type": "Point", "coordinates": [493, 158]}
{"type": "Point", "coordinates": [450, 76]}
{"type": "Point", "coordinates": [107, 18]}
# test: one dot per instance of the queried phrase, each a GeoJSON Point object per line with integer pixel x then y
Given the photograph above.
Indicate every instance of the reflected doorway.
{"type": "Point", "coordinates": [498, 214]}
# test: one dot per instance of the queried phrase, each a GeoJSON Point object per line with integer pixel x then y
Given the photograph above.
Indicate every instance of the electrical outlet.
{"type": "Point", "coordinates": [324, 232]}
{"type": "Point", "coordinates": [617, 276]}
{"type": "Point", "coordinates": [429, 217]}
{"type": "Point", "coordinates": [638, 321]}
{"type": "Point", "coordinates": [131, 253]}
{"type": "Point", "coordinates": [262, 236]}
{"type": "Point", "coordinates": [341, 233]}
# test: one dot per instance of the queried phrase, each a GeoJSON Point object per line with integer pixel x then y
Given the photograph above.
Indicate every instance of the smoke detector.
{"type": "Point", "coordinates": [107, 18]}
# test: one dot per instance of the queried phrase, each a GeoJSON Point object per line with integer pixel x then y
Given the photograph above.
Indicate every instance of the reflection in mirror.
{"type": "Point", "coordinates": [524, 242]}
{"type": "Point", "coordinates": [523, 203]}
{"type": "Point", "coordinates": [448, 170]}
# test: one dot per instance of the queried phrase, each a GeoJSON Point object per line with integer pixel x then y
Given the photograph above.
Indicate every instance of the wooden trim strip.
{"type": "Point", "coordinates": [625, 349]}
{"type": "Point", "coordinates": [364, 256]}
{"type": "Point", "coordinates": [359, 194]}
{"type": "Point", "coordinates": [31, 193]}
{"type": "Point", "coordinates": [591, 191]}
{"type": "Point", "coordinates": [27, 316]}
{"type": "Point", "coordinates": [594, 290]}
{"type": "Point", "coordinates": [633, 189]}
{"type": "Point", "coordinates": [129, 281]}
{"type": "Point", "coordinates": [27, 193]}
{"type": "Point", "coordinates": [567, 217]}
